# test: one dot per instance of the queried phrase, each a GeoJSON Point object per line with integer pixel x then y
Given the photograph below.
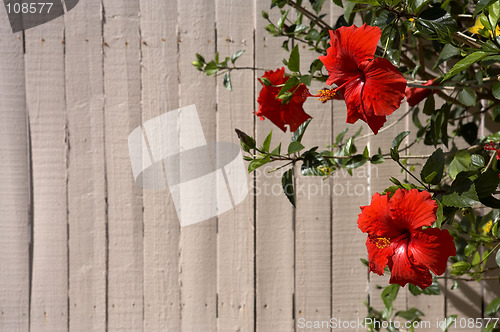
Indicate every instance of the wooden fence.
{"type": "Point", "coordinates": [83, 248]}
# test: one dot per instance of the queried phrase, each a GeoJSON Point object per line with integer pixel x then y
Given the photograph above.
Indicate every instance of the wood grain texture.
{"type": "Point", "coordinates": [86, 168]}
{"type": "Point", "coordinates": [160, 94]}
{"type": "Point", "coordinates": [348, 242]}
{"type": "Point", "coordinates": [198, 242]}
{"type": "Point", "coordinates": [235, 241]}
{"type": "Point", "coordinates": [274, 226]}
{"type": "Point", "coordinates": [122, 87]}
{"type": "Point", "coordinates": [15, 188]}
{"type": "Point", "coordinates": [379, 180]}
{"type": "Point", "coordinates": [45, 97]}
{"type": "Point", "coordinates": [433, 307]}
{"type": "Point", "coordinates": [313, 280]}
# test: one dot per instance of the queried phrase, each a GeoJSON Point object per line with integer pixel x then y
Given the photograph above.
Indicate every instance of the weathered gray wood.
{"type": "Point", "coordinates": [198, 246]}
{"type": "Point", "coordinates": [348, 242]}
{"type": "Point", "coordinates": [275, 239]}
{"type": "Point", "coordinates": [86, 168]}
{"type": "Point", "coordinates": [235, 241]}
{"type": "Point", "coordinates": [433, 307]}
{"type": "Point", "coordinates": [160, 94]}
{"type": "Point", "coordinates": [45, 97]}
{"type": "Point", "coordinates": [122, 88]}
{"type": "Point", "coordinates": [379, 180]}
{"type": "Point", "coordinates": [14, 191]}
{"type": "Point", "coordinates": [313, 283]}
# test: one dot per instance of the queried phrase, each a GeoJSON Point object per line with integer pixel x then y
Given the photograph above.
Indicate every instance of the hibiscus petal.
{"type": "Point", "coordinates": [349, 46]}
{"type": "Point", "coordinates": [276, 77]}
{"type": "Point", "coordinates": [384, 87]}
{"type": "Point", "coordinates": [404, 271]}
{"type": "Point", "coordinates": [282, 114]}
{"type": "Point", "coordinates": [413, 209]}
{"type": "Point", "coordinates": [377, 258]}
{"type": "Point", "coordinates": [432, 247]}
{"type": "Point", "coordinates": [416, 95]}
{"type": "Point", "coordinates": [356, 108]}
{"type": "Point", "coordinates": [375, 219]}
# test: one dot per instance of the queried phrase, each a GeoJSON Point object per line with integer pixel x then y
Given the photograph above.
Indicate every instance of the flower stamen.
{"type": "Point", "coordinates": [326, 94]}
{"type": "Point", "coordinates": [382, 242]}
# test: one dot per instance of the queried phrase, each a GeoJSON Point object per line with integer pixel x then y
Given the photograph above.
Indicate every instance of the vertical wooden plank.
{"type": "Point", "coordinates": [349, 275]}
{"type": "Point", "coordinates": [235, 241]}
{"type": "Point", "coordinates": [433, 307]}
{"type": "Point", "coordinates": [122, 87]}
{"type": "Point", "coordinates": [313, 216]}
{"type": "Point", "coordinates": [160, 94]}
{"type": "Point", "coordinates": [198, 244]}
{"type": "Point", "coordinates": [379, 180]}
{"type": "Point", "coordinates": [15, 190]}
{"type": "Point", "coordinates": [45, 95]}
{"type": "Point", "coordinates": [275, 247]}
{"type": "Point", "coordinates": [348, 242]}
{"type": "Point", "coordinates": [86, 168]}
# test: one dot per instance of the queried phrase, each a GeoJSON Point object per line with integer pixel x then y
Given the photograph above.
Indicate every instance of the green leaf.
{"type": "Point", "coordinates": [460, 163]}
{"type": "Point", "coordinates": [299, 133]}
{"type": "Point", "coordinates": [487, 183]}
{"type": "Point", "coordinates": [497, 257]}
{"type": "Point", "coordinates": [377, 159]}
{"type": "Point", "coordinates": [435, 163]}
{"type": "Point", "coordinates": [287, 184]}
{"type": "Point", "coordinates": [433, 289]}
{"type": "Point", "coordinates": [277, 150]}
{"type": "Point", "coordinates": [481, 4]}
{"type": "Point", "coordinates": [306, 79]}
{"type": "Point", "coordinates": [292, 82]}
{"type": "Point", "coordinates": [227, 81]}
{"type": "Point", "coordinates": [429, 105]}
{"type": "Point", "coordinates": [411, 314]}
{"type": "Point", "coordinates": [338, 3]}
{"type": "Point", "coordinates": [256, 163]}
{"type": "Point", "coordinates": [476, 162]}
{"type": "Point", "coordinates": [493, 307]}
{"type": "Point", "coordinates": [246, 141]}
{"type": "Point", "coordinates": [356, 161]}
{"type": "Point", "coordinates": [496, 90]}
{"type": "Point", "coordinates": [211, 68]}
{"type": "Point", "coordinates": [267, 142]}
{"type": "Point", "coordinates": [294, 146]}
{"type": "Point", "coordinates": [467, 96]}
{"type": "Point", "coordinates": [460, 268]}
{"type": "Point", "coordinates": [448, 52]}
{"type": "Point", "coordinates": [462, 200]}
{"type": "Point", "coordinates": [389, 294]}
{"type": "Point", "coordinates": [236, 55]}
{"type": "Point", "coordinates": [294, 60]}
{"type": "Point", "coordinates": [448, 321]}
{"type": "Point", "coordinates": [465, 63]}
{"type": "Point", "coordinates": [396, 142]}
{"type": "Point", "coordinates": [317, 4]}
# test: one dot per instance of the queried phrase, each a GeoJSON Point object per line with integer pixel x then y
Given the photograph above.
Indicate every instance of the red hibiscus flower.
{"type": "Point", "coordinates": [491, 147]}
{"type": "Point", "coordinates": [416, 95]}
{"type": "Point", "coordinates": [278, 111]}
{"type": "Point", "coordinates": [372, 88]}
{"type": "Point", "coordinates": [396, 237]}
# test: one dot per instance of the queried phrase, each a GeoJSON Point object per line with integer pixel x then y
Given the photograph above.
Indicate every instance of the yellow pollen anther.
{"type": "Point", "coordinates": [326, 94]}
{"type": "Point", "coordinates": [382, 242]}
